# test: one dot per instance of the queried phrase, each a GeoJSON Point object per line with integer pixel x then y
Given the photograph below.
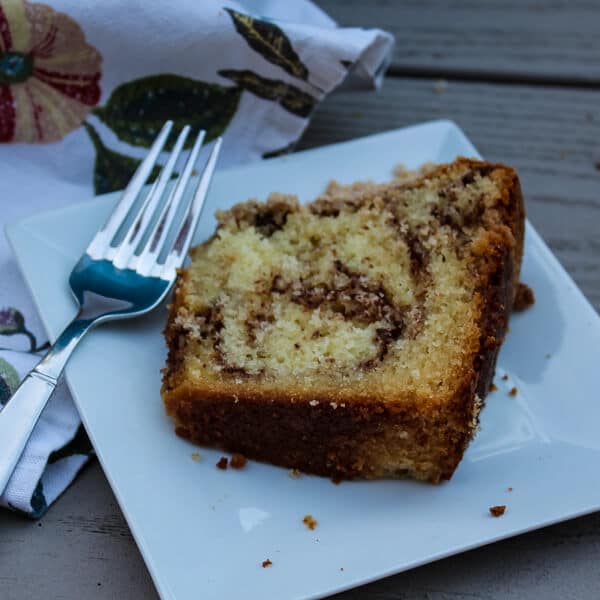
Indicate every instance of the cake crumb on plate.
{"type": "Point", "coordinates": [222, 463]}
{"type": "Point", "coordinates": [238, 461]}
{"type": "Point", "coordinates": [310, 522]}
{"type": "Point", "coordinates": [266, 563]}
{"type": "Point", "coordinates": [497, 511]}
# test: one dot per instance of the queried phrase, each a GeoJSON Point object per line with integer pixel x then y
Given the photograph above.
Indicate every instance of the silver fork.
{"type": "Point", "coordinates": [130, 278]}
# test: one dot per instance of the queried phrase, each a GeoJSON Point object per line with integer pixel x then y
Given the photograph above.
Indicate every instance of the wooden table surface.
{"type": "Point", "coordinates": [522, 78]}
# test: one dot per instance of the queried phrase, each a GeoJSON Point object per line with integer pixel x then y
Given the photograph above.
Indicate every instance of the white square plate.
{"type": "Point", "coordinates": [204, 532]}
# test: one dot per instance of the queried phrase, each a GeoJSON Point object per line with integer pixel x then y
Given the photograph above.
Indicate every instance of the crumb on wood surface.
{"type": "Point", "coordinates": [266, 563]}
{"type": "Point", "coordinates": [440, 86]}
{"type": "Point", "coordinates": [310, 522]}
{"type": "Point", "coordinates": [238, 461]}
{"type": "Point", "coordinates": [513, 391]}
{"type": "Point", "coordinates": [222, 463]}
{"type": "Point", "coordinates": [497, 511]}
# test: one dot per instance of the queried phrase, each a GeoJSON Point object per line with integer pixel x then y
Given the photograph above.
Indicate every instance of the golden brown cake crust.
{"type": "Point", "coordinates": [346, 436]}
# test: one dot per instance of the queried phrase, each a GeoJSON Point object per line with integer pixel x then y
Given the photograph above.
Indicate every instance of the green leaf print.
{"type": "Point", "coordinates": [138, 109]}
{"type": "Point", "coordinates": [112, 170]}
{"type": "Point", "coordinates": [289, 97]}
{"type": "Point", "coordinates": [9, 381]}
{"type": "Point", "coordinates": [79, 444]}
{"type": "Point", "coordinates": [38, 501]}
{"type": "Point", "coordinates": [270, 42]}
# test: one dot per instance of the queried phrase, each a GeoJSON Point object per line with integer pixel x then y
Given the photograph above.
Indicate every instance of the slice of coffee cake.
{"type": "Point", "coordinates": [355, 336]}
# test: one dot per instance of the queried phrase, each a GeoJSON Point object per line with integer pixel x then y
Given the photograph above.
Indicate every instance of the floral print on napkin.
{"type": "Point", "coordinates": [49, 74]}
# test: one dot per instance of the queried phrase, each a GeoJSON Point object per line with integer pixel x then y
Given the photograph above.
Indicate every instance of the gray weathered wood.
{"type": "Point", "coordinates": [557, 40]}
{"type": "Point", "coordinates": [551, 135]}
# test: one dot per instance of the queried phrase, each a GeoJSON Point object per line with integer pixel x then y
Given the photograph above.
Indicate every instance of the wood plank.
{"type": "Point", "coordinates": [550, 135]}
{"type": "Point", "coordinates": [557, 40]}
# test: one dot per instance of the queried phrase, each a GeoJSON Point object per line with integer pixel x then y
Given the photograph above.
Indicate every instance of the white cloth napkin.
{"type": "Point", "coordinates": [84, 87]}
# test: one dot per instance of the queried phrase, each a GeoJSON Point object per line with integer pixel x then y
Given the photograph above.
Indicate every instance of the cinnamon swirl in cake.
{"type": "Point", "coordinates": [354, 336]}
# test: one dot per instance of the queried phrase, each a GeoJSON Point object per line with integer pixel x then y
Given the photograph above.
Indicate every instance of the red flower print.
{"type": "Point", "coordinates": [49, 74]}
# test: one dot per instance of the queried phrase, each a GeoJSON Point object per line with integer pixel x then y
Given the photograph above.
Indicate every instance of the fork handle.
{"type": "Point", "coordinates": [18, 418]}
{"type": "Point", "coordinates": [21, 413]}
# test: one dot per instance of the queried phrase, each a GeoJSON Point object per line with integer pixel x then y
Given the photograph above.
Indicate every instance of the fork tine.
{"type": "Point", "coordinates": [101, 242]}
{"type": "Point", "coordinates": [147, 259]}
{"type": "Point", "coordinates": [191, 217]}
{"type": "Point", "coordinates": [123, 254]}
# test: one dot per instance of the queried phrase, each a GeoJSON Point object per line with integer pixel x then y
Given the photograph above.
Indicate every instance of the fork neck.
{"type": "Point", "coordinates": [53, 363]}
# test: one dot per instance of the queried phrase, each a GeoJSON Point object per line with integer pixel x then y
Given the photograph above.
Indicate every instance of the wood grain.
{"type": "Point", "coordinates": [551, 136]}
{"type": "Point", "coordinates": [554, 41]}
